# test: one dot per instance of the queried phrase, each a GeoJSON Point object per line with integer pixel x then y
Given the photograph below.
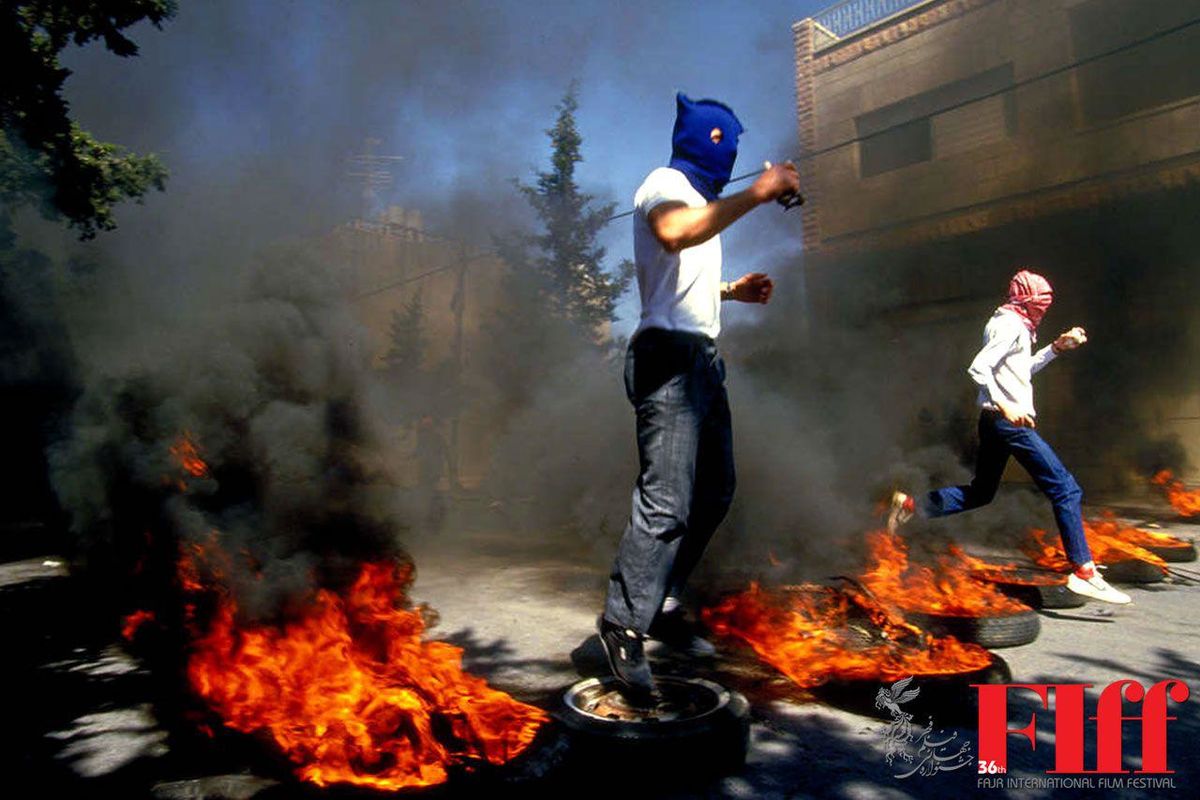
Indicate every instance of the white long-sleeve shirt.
{"type": "Point", "coordinates": [1004, 368]}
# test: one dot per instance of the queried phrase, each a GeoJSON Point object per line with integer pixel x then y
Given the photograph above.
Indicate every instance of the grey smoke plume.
{"type": "Point", "coordinates": [270, 387]}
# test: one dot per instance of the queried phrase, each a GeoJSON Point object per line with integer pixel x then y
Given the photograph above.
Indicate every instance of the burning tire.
{"type": "Point", "coordinates": [1049, 596]}
{"type": "Point", "coordinates": [1036, 589]}
{"type": "Point", "coordinates": [700, 727]}
{"type": "Point", "coordinates": [946, 697]}
{"type": "Point", "coordinates": [1174, 554]}
{"type": "Point", "coordinates": [1010, 630]}
{"type": "Point", "coordinates": [1132, 570]}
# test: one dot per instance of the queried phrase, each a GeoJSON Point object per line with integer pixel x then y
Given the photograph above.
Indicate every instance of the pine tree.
{"type": "Point", "coordinates": [407, 337]}
{"type": "Point", "coordinates": [574, 283]}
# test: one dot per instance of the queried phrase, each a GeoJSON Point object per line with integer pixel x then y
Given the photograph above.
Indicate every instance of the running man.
{"type": "Point", "coordinates": [1003, 370]}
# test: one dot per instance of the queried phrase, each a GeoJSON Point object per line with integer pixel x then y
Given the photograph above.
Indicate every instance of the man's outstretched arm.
{"type": "Point", "coordinates": [676, 226]}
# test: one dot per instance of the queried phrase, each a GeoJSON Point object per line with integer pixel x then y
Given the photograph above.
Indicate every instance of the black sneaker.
{"type": "Point", "coordinates": [627, 660]}
{"type": "Point", "coordinates": [673, 629]}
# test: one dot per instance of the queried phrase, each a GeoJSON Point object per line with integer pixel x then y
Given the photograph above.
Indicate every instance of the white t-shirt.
{"type": "Point", "coordinates": [1004, 368]}
{"type": "Point", "coordinates": [680, 291]}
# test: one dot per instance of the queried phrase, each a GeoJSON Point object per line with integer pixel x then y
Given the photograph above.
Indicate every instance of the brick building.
{"type": "Point", "coordinates": [946, 142]}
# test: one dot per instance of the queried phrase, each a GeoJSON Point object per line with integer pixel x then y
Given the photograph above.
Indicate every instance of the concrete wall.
{"type": "Point", "coordinates": [1091, 175]}
{"type": "Point", "coordinates": [1032, 149]}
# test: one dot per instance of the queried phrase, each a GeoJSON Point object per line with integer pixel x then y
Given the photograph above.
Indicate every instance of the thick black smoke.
{"type": "Point", "coordinates": [269, 387]}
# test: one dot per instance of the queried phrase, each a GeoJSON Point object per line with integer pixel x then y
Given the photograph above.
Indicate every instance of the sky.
{"type": "Point", "coordinates": [254, 106]}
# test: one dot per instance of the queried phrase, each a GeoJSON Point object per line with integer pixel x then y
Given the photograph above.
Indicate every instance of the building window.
{"type": "Point", "coordinates": [902, 133]}
{"type": "Point", "coordinates": [1156, 73]}
{"type": "Point", "coordinates": [896, 147]}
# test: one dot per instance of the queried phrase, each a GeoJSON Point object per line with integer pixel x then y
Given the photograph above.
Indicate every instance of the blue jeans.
{"type": "Point", "coordinates": [676, 383]}
{"type": "Point", "coordinates": [999, 439]}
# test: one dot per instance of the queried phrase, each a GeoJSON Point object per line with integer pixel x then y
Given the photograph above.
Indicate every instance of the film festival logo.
{"type": "Point", "coordinates": [1069, 740]}
{"type": "Point", "coordinates": [922, 752]}
{"type": "Point", "coordinates": [927, 753]}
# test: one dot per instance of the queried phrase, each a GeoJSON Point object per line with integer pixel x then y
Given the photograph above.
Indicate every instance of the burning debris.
{"type": "Point", "coordinates": [951, 598]}
{"type": "Point", "coordinates": [351, 693]}
{"type": "Point", "coordinates": [1166, 547]}
{"type": "Point", "coordinates": [1006, 573]}
{"type": "Point", "coordinates": [344, 685]}
{"type": "Point", "coordinates": [950, 588]}
{"type": "Point", "coordinates": [1032, 586]}
{"type": "Point", "coordinates": [1110, 541]}
{"type": "Point", "coordinates": [346, 688]}
{"type": "Point", "coordinates": [1185, 501]}
{"type": "Point", "coordinates": [814, 634]}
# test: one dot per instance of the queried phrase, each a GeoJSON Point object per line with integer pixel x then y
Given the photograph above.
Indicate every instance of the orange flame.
{"type": "Point", "coordinates": [348, 690]}
{"type": "Point", "coordinates": [950, 588]}
{"type": "Point", "coordinates": [1006, 573]}
{"type": "Point", "coordinates": [1140, 536]}
{"type": "Point", "coordinates": [135, 621]}
{"type": "Point", "coordinates": [188, 455]}
{"type": "Point", "coordinates": [813, 634]}
{"type": "Point", "coordinates": [352, 695]}
{"type": "Point", "coordinates": [1108, 540]}
{"type": "Point", "coordinates": [1184, 501]}
{"type": "Point", "coordinates": [1145, 538]}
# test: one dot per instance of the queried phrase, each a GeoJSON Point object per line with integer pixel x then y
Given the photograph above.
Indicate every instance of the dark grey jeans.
{"type": "Point", "coordinates": [676, 382]}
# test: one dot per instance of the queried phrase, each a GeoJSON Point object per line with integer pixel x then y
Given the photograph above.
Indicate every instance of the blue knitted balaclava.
{"type": "Point", "coordinates": [708, 166]}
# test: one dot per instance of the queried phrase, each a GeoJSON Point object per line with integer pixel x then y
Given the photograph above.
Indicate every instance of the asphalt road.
{"type": "Point", "coordinates": [84, 718]}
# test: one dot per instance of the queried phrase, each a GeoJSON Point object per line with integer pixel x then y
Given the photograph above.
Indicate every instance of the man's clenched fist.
{"type": "Point", "coordinates": [1070, 340]}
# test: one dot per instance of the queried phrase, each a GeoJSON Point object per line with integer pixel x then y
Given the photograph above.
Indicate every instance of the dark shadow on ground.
{"type": "Point", "coordinates": [1090, 616]}
{"type": "Point", "coordinates": [85, 720]}
{"type": "Point", "coordinates": [1182, 755]}
{"type": "Point", "coordinates": [494, 661]}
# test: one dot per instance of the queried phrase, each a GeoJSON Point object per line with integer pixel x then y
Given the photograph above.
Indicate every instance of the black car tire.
{"type": "Point", "coordinates": [1132, 570]}
{"type": "Point", "coordinates": [946, 698]}
{"type": "Point", "coordinates": [1174, 554]}
{"type": "Point", "coordinates": [1010, 630]}
{"type": "Point", "coordinates": [711, 742]}
{"type": "Point", "coordinates": [1037, 595]}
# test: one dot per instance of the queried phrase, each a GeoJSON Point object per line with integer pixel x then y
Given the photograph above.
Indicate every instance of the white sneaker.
{"type": "Point", "coordinates": [1097, 588]}
{"type": "Point", "coordinates": [902, 509]}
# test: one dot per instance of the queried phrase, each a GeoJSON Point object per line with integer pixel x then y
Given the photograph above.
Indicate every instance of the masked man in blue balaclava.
{"type": "Point", "coordinates": [676, 382]}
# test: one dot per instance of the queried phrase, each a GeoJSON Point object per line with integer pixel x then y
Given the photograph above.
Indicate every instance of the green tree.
{"type": "Point", "coordinates": [565, 254]}
{"type": "Point", "coordinates": [46, 159]}
{"type": "Point", "coordinates": [407, 337]}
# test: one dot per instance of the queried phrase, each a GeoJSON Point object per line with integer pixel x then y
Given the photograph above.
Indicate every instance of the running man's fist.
{"type": "Point", "coordinates": [1070, 340]}
{"type": "Point", "coordinates": [754, 287]}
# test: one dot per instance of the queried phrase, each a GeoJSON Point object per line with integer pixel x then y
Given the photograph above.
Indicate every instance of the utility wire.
{"type": "Point", "coordinates": [968, 101]}
{"type": "Point", "coordinates": [452, 265]}
{"type": "Point", "coordinates": [857, 139]}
